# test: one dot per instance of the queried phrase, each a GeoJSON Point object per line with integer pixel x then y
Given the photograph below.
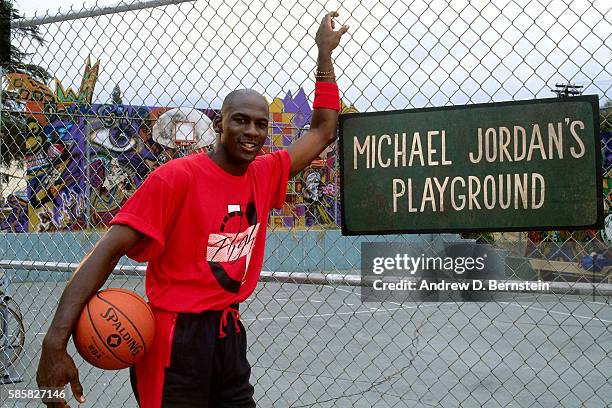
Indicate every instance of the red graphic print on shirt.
{"type": "Point", "coordinates": [228, 253]}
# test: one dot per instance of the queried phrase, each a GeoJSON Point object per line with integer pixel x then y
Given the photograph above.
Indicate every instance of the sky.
{"type": "Point", "coordinates": [398, 54]}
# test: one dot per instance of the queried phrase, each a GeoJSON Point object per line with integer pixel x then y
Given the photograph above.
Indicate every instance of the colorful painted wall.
{"type": "Point", "coordinates": [312, 196]}
{"type": "Point", "coordinates": [84, 160]}
{"type": "Point", "coordinates": [573, 245]}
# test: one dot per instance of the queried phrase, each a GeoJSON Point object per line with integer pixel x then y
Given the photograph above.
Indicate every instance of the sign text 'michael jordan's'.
{"type": "Point", "coordinates": [503, 166]}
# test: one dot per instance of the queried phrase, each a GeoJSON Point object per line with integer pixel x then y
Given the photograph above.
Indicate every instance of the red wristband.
{"type": "Point", "coordinates": [326, 96]}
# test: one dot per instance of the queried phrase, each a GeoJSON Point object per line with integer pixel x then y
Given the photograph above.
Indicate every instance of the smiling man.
{"type": "Point", "coordinates": [243, 126]}
{"type": "Point", "coordinates": [200, 223]}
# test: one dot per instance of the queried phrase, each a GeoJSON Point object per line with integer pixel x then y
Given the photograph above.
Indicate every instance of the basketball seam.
{"type": "Point", "coordinates": [144, 346]}
{"type": "Point", "coordinates": [127, 292]}
{"type": "Point", "coordinates": [102, 340]}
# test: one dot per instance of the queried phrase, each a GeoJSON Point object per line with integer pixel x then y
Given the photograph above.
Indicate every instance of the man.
{"type": "Point", "coordinates": [200, 222]}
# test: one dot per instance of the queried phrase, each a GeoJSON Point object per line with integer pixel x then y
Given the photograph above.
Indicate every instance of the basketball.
{"type": "Point", "coordinates": [115, 329]}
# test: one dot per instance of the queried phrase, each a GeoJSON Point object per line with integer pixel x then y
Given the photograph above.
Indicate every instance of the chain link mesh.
{"type": "Point", "coordinates": [93, 110]}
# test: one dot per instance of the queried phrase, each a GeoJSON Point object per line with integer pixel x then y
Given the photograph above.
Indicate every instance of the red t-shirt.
{"type": "Point", "coordinates": [205, 229]}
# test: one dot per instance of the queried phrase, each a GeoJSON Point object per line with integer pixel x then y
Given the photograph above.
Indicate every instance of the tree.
{"type": "Point", "coordinates": [13, 126]}
{"type": "Point", "coordinates": [605, 114]}
{"type": "Point", "coordinates": [116, 95]}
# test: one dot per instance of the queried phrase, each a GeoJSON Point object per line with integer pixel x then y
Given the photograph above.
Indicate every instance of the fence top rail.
{"type": "Point", "coordinates": [95, 11]}
{"type": "Point", "coordinates": [309, 278]}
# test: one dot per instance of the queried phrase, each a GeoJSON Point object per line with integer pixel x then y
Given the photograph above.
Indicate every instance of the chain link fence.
{"type": "Point", "coordinates": [113, 91]}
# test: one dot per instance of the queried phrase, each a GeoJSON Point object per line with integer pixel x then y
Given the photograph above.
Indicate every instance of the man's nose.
{"type": "Point", "coordinates": [251, 129]}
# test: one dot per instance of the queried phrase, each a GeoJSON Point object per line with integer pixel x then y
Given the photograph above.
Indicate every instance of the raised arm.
{"type": "Point", "coordinates": [56, 368]}
{"type": "Point", "coordinates": [324, 120]}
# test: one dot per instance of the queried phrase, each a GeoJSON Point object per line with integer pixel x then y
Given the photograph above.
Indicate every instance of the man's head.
{"type": "Point", "coordinates": [243, 125]}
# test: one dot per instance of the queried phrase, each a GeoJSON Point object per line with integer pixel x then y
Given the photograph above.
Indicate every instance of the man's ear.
{"type": "Point", "coordinates": [217, 124]}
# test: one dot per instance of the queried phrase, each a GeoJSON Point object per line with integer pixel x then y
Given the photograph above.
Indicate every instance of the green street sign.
{"type": "Point", "coordinates": [510, 166]}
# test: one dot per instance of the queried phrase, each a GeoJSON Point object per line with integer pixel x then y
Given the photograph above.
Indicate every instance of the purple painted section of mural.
{"type": "Point", "coordinates": [15, 216]}
{"type": "Point", "coordinates": [299, 106]}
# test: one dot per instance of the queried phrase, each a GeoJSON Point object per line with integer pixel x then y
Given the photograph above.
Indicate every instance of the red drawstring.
{"type": "Point", "coordinates": [235, 314]}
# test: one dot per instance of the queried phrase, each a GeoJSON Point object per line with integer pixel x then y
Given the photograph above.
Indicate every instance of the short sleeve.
{"type": "Point", "coordinates": [275, 167]}
{"type": "Point", "coordinates": [150, 211]}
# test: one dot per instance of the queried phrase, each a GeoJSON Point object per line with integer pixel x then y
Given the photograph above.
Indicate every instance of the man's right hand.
{"type": "Point", "coordinates": [56, 369]}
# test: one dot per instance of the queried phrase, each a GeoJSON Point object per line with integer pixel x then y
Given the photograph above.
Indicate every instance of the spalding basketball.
{"type": "Point", "coordinates": [115, 329]}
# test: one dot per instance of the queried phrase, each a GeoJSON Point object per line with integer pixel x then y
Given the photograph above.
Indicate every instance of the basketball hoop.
{"type": "Point", "coordinates": [184, 133]}
{"type": "Point", "coordinates": [185, 129]}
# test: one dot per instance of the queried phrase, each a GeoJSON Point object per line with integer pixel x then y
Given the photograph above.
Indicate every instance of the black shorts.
{"type": "Point", "coordinates": [205, 363]}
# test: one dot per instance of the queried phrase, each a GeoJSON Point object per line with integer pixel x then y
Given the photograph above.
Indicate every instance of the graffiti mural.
{"type": "Point", "coordinates": [85, 160]}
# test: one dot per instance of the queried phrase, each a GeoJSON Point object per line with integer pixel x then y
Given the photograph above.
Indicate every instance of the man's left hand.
{"type": "Point", "coordinates": [327, 38]}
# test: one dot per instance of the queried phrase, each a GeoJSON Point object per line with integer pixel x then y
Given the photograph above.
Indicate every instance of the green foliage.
{"type": "Point", "coordinates": [116, 95]}
{"type": "Point", "coordinates": [605, 114]}
{"type": "Point", "coordinates": [13, 127]}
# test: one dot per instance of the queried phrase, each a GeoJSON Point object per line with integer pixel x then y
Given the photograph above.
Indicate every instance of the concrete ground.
{"type": "Point", "coordinates": [320, 346]}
